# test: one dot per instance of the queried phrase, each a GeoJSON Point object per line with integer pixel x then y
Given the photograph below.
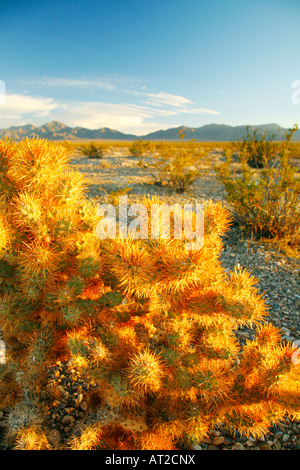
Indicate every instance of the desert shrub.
{"type": "Point", "coordinates": [91, 150]}
{"type": "Point", "coordinates": [114, 195]}
{"type": "Point", "coordinates": [177, 167]}
{"type": "Point", "coordinates": [266, 201]}
{"type": "Point", "coordinates": [295, 151]}
{"type": "Point", "coordinates": [70, 147]}
{"type": "Point", "coordinates": [257, 148]}
{"type": "Point", "coordinates": [150, 321]}
{"type": "Point", "coordinates": [140, 148]}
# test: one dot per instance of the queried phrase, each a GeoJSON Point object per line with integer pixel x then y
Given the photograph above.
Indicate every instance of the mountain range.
{"type": "Point", "coordinates": [209, 133]}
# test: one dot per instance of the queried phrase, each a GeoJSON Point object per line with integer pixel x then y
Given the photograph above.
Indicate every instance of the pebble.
{"type": "Point", "coordinates": [196, 447]}
{"type": "Point", "coordinates": [276, 444]}
{"type": "Point", "coordinates": [218, 440]}
{"type": "Point", "coordinates": [249, 443]}
{"type": "Point", "coordinates": [79, 398]}
{"type": "Point", "coordinates": [83, 406]}
{"type": "Point", "coordinates": [238, 446]}
{"type": "Point", "coordinates": [206, 440]}
{"type": "Point", "coordinates": [54, 437]}
{"type": "Point", "coordinates": [68, 419]}
{"type": "Point", "coordinates": [265, 447]}
{"type": "Point", "coordinates": [64, 415]}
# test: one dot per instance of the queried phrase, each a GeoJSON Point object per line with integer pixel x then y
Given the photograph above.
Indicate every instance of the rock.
{"type": "Point", "coordinates": [249, 443]}
{"type": "Point", "coordinates": [197, 447]}
{"type": "Point", "coordinates": [83, 406]}
{"type": "Point", "coordinates": [244, 334]}
{"type": "Point", "coordinates": [218, 440]}
{"type": "Point", "coordinates": [54, 437]}
{"type": "Point", "coordinates": [276, 444]}
{"type": "Point", "coordinates": [206, 440]}
{"type": "Point", "coordinates": [79, 398]}
{"type": "Point", "coordinates": [265, 447]}
{"type": "Point", "coordinates": [238, 446]}
{"type": "Point", "coordinates": [68, 419]}
{"type": "Point", "coordinates": [60, 389]}
{"type": "Point", "coordinates": [285, 331]}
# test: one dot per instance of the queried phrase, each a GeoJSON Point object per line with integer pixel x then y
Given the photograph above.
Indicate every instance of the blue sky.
{"type": "Point", "coordinates": [142, 65]}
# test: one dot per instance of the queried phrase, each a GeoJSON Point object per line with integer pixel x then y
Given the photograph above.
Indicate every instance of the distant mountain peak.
{"type": "Point", "coordinates": [55, 125]}
{"type": "Point", "coordinates": [56, 130]}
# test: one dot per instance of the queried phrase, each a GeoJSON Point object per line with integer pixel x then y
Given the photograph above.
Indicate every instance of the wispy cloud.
{"type": "Point", "coordinates": [200, 111]}
{"type": "Point", "coordinates": [123, 86]}
{"type": "Point", "coordinates": [167, 99]}
{"type": "Point", "coordinates": [124, 117]}
{"type": "Point", "coordinates": [180, 103]}
{"type": "Point", "coordinates": [22, 109]}
{"type": "Point", "coordinates": [143, 111]}
{"type": "Point", "coordinates": [18, 108]}
{"type": "Point", "coordinates": [60, 82]}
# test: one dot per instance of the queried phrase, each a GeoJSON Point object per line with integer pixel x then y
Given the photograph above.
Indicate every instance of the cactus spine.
{"type": "Point", "coordinates": [151, 322]}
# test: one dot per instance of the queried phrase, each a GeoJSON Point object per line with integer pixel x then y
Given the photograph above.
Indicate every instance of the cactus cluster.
{"type": "Point", "coordinates": [151, 322]}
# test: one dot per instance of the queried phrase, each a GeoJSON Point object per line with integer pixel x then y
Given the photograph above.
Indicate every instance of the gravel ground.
{"type": "Point", "coordinates": [278, 276]}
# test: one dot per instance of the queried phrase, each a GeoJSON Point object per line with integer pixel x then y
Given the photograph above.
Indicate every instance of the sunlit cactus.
{"type": "Point", "coordinates": [151, 322]}
{"type": "Point", "coordinates": [31, 439]}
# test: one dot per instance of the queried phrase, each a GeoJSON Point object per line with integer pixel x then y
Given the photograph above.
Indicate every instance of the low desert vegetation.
{"type": "Point", "coordinates": [91, 150]}
{"type": "Point", "coordinates": [177, 166]}
{"type": "Point", "coordinates": [264, 189]}
{"type": "Point", "coordinates": [151, 322]}
{"type": "Point", "coordinates": [259, 149]}
{"type": "Point", "coordinates": [139, 148]}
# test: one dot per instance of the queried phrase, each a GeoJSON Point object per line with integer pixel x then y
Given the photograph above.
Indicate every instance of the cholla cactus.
{"type": "Point", "coordinates": [151, 322]}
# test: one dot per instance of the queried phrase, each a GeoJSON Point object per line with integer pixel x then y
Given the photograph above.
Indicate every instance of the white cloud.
{"type": "Point", "coordinates": [126, 117]}
{"type": "Point", "coordinates": [200, 111]}
{"type": "Point", "coordinates": [18, 107]}
{"type": "Point", "coordinates": [180, 103]}
{"type": "Point", "coordinates": [27, 104]}
{"type": "Point", "coordinates": [50, 82]}
{"type": "Point", "coordinates": [167, 99]}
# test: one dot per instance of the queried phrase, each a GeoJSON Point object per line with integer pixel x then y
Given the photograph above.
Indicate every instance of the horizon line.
{"type": "Point", "coordinates": [141, 135]}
